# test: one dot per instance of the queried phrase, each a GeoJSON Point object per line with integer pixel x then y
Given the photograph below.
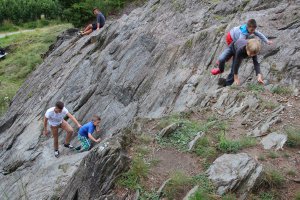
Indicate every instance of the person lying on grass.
{"type": "Point", "coordinates": [240, 50]}
{"type": "Point", "coordinates": [85, 134]}
{"type": "Point", "coordinates": [55, 117]}
{"type": "Point", "coordinates": [100, 22]}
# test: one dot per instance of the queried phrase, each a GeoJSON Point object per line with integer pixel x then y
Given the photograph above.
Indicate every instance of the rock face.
{"type": "Point", "coordinates": [97, 172]}
{"type": "Point", "coordinates": [274, 140]}
{"type": "Point", "coordinates": [234, 172]}
{"type": "Point", "coordinates": [152, 62]}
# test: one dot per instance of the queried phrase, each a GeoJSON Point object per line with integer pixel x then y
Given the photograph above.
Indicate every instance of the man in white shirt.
{"type": "Point", "coordinates": [55, 117]}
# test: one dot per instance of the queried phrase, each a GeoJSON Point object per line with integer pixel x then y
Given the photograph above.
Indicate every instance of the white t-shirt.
{"type": "Point", "coordinates": [55, 119]}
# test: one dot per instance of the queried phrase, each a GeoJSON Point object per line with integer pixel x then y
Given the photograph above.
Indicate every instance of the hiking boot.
{"type": "Point", "coordinates": [78, 148]}
{"type": "Point", "coordinates": [69, 146]}
{"type": "Point", "coordinates": [222, 82]}
{"type": "Point", "coordinates": [215, 71]}
{"type": "Point", "coordinates": [56, 153]}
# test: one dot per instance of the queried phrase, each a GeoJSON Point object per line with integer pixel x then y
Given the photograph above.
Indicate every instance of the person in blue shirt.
{"type": "Point", "coordinates": [244, 32]}
{"type": "Point", "coordinates": [85, 133]}
{"type": "Point", "coordinates": [100, 22]}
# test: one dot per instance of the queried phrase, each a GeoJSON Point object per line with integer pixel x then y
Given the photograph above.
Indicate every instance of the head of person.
{"type": "Point", "coordinates": [96, 120]}
{"type": "Point", "coordinates": [96, 11]}
{"type": "Point", "coordinates": [253, 47]}
{"type": "Point", "coordinates": [59, 106]}
{"type": "Point", "coordinates": [251, 26]}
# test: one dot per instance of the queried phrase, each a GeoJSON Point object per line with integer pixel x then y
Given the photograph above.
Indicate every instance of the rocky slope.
{"type": "Point", "coordinates": [152, 62]}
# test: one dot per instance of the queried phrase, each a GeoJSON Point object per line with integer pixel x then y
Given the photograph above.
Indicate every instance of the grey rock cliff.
{"type": "Point", "coordinates": [152, 62]}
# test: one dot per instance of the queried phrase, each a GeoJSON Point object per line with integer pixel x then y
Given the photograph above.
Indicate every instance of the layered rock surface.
{"type": "Point", "coordinates": [152, 62]}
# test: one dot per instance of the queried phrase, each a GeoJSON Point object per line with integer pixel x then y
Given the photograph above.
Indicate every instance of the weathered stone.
{"type": "Point", "coordinates": [169, 129]}
{"type": "Point", "coordinates": [274, 140]}
{"type": "Point", "coordinates": [234, 172]}
{"type": "Point", "coordinates": [163, 185]}
{"type": "Point", "coordinates": [194, 141]}
{"type": "Point", "coordinates": [191, 192]}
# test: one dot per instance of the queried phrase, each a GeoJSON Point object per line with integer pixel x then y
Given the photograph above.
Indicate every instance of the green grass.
{"type": "Point", "coordinates": [177, 185]}
{"type": "Point", "coordinates": [267, 196]}
{"type": "Point", "coordinates": [273, 178]}
{"type": "Point", "coordinates": [180, 184]}
{"type": "Point", "coordinates": [291, 172]}
{"type": "Point", "coordinates": [24, 55]}
{"type": "Point", "coordinates": [281, 90]}
{"type": "Point", "coordinates": [255, 87]}
{"type": "Point", "coordinates": [132, 178]}
{"type": "Point", "coordinates": [261, 157]}
{"type": "Point", "coordinates": [229, 197]}
{"type": "Point", "coordinates": [297, 196]}
{"type": "Point", "coordinates": [269, 105]}
{"type": "Point", "coordinates": [233, 146]}
{"type": "Point", "coordinates": [189, 129]}
{"type": "Point", "coordinates": [273, 155]}
{"type": "Point", "coordinates": [293, 134]}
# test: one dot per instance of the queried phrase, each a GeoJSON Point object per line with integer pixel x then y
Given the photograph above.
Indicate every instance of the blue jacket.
{"type": "Point", "coordinates": [241, 32]}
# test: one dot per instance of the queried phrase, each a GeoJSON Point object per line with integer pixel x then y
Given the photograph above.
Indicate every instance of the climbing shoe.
{"type": "Point", "coordinates": [69, 146]}
{"type": "Point", "coordinates": [222, 82]}
{"type": "Point", "coordinates": [78, 148]}
{"type": "Point", "coordinates": [56, 153]}
{"type": "Point", "coordinates": [215, 71]}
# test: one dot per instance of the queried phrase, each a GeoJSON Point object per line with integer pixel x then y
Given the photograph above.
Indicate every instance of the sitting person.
{"type": "Point", "coordinates": [85, 133]}
{"type": "Point", "coordinates": [100, 22]}
{"type": "Point", "coordinates": [240, 50]}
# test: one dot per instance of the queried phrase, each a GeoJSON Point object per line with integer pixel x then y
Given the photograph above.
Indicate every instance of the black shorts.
{"type": "Point", "coordinates": [95, 26]}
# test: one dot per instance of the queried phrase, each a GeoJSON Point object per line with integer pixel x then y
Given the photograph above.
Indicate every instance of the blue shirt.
{"type": "Point", "coordinates": [101, 19]}
{"type": "Point", "coordinates": [86, 129]}
{"type": "Point", "coordinates": [241, 32]}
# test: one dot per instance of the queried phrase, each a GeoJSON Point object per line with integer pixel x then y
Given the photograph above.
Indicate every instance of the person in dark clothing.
{"type": "Point", "coordinates": [95, 26]}
{"type": "Point", "coordinates": [240, 50]}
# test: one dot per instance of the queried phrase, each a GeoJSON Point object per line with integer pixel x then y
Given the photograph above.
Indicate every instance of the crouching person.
{"type": "Point", "coordinates": [85, 133]}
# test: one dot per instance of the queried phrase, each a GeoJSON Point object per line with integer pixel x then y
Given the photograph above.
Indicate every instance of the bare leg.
{"type": "Point", "coordinates": [54, 130]}
{"type": "Point", "coordinates": [65, 126]}
{"type": "Point", "coordinates": [88, 27]}
{"type": "Point", "coordinates": [87, 32]}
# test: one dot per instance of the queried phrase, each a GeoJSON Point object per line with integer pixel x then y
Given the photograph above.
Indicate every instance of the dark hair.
{"type": "Point", "coordinates": [60, 105]}
{"type": "Point", "coordinates": [95, 9]}
{"type": "Point", "coordinates": [251, 23]}
{"type": "Point", "coordinates": [96, 118]}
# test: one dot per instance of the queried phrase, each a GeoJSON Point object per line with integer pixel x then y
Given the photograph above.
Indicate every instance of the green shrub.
{"type": "Point", "coordinates": [293, 134]}
{"type": "Point", "coordinates": [273, 178]}
{"type": "Point", "coordinates": [282, 90]}
{"type": "Point", "coordinates": [131, 179]}
{"type": "Point", "coordinates": [255, 87]}
{"type": "Point", "coordinates": [232, 146]}
{"type": "Point", "coordinates": [179, 183]}
{"type": "Point", "coordinates": [297, 197]}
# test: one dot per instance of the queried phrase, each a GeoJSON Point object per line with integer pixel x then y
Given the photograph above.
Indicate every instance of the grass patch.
{"type": "Point", "coordinates": [269, 105]}
{"type": "Point", "coordinates": [131, 179]}
{"type": "Point", "coordinates": [266, 196]}
{"type": "Point", "coordinates": [273, 178]}
{"type": "Point", "coordinates": [281, 90]}
{"type": "Point", "coordinates": [255, 87]}
{"type": "Point", "coordinates": [232, 146]}
{"type": "Point", "coordinates": [293, 134]}
{"type": "Point", "coordinates": [273, 155]}
{"type": "Point", "coordinates": [178, 184]}
{"type": "Point", "coordinates": [24, 55]}
{"type": "Point", "coordinates": [291, 172]}
{"type": "Point", "coordinates": [229, 197]}
{"type": "Point", "coordinates": [261, 157]}
{"type": "Point", "coordinates": [189, 129]}
{"type": "Point", "coordinates": [297, 196]}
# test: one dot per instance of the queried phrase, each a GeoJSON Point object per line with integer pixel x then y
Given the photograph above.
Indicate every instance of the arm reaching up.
{"type": "Point", "coordinates": [74, 119]}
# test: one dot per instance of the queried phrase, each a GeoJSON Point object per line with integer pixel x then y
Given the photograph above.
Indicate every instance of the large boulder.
{"type": "Point", "coordinates": [234, 172]}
